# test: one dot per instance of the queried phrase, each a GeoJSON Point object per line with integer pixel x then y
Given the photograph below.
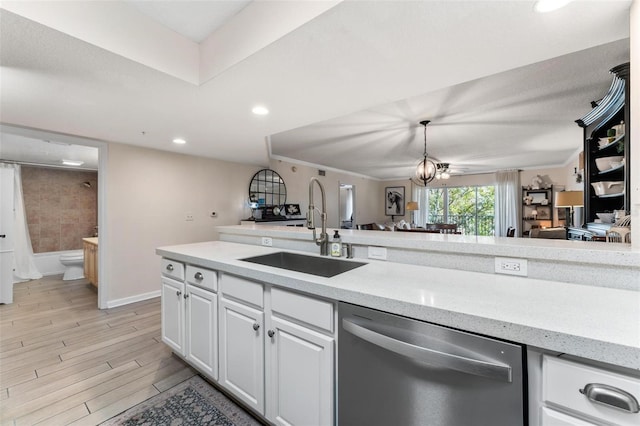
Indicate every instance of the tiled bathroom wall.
{"type": "Point", "coordinates": [60, 209]}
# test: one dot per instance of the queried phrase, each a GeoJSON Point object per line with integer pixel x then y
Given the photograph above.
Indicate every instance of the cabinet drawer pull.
{"type": "Point", "coordinates": [611, 396]}
{"type": "Point", "coordinates": [271, 333]}
{"type": "Point", "coordinates": [256, 326]}
{"type": "Point", "coordinates": [198, 276]}
{"type": "Point", "coordinates": [169, 267]}
{"type": "Point", "coordinates": [186, 295]}
{"type": "Point", "coordinates": [178, 293]}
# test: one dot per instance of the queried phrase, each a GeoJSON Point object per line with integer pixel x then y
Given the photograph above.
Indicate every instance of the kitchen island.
{"type": "Point", "coordinates": [567, 327]}
{"type": "Point", "coordinates": [588, 321]}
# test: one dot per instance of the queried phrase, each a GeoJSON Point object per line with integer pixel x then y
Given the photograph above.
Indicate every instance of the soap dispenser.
{"type": "Point", "coordinates": [336, 244]}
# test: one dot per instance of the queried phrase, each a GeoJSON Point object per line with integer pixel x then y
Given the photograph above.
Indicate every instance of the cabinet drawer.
{"type": "Point", "coordinates": [554, 418]}
{"type": "Point", "coordinates": [201, 277]}
{"type": "Point", "coordinates": [563, 379]}
{"type": "Point", "coordinates": [318, 313]}
{"type": "Point", "coordinates": [241, 289]}
{"type": "Point", "coordinates": [173, 269]}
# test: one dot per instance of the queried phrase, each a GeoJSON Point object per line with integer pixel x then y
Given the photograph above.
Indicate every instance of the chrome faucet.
{"type": "Point", "coordinates": [323, 241]}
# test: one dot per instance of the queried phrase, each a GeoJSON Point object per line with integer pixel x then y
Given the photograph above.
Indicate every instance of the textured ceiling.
{"type": "Point", "coordinates": [522, 118]}
{"type": "Point", "coordinates": [358, 57]}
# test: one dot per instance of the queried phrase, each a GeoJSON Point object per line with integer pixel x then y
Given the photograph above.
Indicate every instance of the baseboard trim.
{"type": "Point", "coordinates": [133, 299]}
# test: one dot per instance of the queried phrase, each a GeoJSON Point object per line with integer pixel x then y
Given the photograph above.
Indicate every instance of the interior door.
{"type": "Point", "coordinates": [6, 235]}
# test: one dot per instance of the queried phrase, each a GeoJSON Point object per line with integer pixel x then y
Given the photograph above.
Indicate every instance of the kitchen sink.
{"type": "Point", "coordinates": [321, 266]}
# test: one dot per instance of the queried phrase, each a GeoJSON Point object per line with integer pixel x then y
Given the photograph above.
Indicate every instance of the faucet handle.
{"type": "Point", "coordinates": [347, 250]}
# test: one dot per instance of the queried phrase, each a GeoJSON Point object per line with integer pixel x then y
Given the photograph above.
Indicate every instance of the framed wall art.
{"type": "Point", "coordinates": [394, 201]}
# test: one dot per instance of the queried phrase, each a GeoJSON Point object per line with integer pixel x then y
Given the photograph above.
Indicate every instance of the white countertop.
{"type": "Point", "coordinates": [588, 252]}
{"type": "Point", "coordinates": [592, 322]}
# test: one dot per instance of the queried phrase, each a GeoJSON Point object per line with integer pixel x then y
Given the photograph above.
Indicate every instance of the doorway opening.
{"type": "Point", "coordinates": [64, 204]}
{"type": "Point", "coordinates": [346, 206]}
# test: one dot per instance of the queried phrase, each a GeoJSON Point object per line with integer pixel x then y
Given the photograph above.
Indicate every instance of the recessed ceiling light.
{"type": "Point", "coordinates": [72, 163]}
{"type": "Point", "coordinates": [179, 141]}
{"type": "Point", "coordinates": [543, 6]}
{"type": "Point", "coordinates": [260, 110]}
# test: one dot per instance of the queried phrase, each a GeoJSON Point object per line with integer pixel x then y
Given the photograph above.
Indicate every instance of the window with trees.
{"type": "Point", "coordinates": [470, 207]}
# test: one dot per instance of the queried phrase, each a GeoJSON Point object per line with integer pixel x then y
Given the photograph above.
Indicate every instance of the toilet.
{"type": "Point", "coordinates": [73, 262]}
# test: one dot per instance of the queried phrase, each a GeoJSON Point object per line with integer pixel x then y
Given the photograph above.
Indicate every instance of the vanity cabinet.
{"type": "Point", "coordinates": [612, 152]}
{"type": "Point", "coordinates": [90, 249]}
{"type": "Point", "coordinates": [190, 314]}
{"type": "Point", "coordinates": [277, 351]}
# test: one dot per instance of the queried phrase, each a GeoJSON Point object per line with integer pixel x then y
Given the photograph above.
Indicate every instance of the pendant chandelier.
{"type": "Point", "coordinates": [427, 169]}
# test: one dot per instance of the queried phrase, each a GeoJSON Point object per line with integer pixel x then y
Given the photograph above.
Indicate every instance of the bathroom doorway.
{"type": "Point", "coordinates": [346, 206]}
{"type": "Point", "coordinates": [64, 201]}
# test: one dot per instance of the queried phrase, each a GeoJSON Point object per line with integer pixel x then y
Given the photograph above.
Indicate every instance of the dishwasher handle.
{"type": "Point", "coordinates": [434, 357]}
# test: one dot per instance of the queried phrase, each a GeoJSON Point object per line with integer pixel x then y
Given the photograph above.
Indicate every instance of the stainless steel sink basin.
{"type": "Point", "coordinates": [321, 266]}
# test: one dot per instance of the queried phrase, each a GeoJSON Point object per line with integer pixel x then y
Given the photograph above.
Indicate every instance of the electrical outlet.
{"type": "Point", "coordinates": [267, 241]}
{"type": "Point", "coordinates": [189, 217]}
{"type": "Point", "coordinates": [379, 253]}
{"type": "Point", "coordinates": [511, 266]}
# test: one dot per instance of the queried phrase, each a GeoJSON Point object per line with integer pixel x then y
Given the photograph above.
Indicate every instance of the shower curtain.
{"type": "Point", "coordinates": [507, 204]}
{"type": "Point", "coordinates": [24, 264]}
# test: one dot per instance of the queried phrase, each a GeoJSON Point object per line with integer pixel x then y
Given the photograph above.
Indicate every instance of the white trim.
{"type": "Point", "coordinates": [133, 299]}
{"type": "Point", "coordinates": [103, 234]}
{"type": "Point", "coordinates": [320, 166]}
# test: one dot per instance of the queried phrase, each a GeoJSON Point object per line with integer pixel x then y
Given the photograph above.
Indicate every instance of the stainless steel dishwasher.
{"type": "Point", "coordinates": [398, 371]}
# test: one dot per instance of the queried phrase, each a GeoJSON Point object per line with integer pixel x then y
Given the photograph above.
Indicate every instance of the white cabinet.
{"type": "Point", "coordinates": [300, 376]}
{"type": "Point", "coordinates": [273, 349]}
{"type": "Point", "coordinates": [190, 315]}
{"type": "Point", "coordinates": [173, 314]}
{"type": "Point", "coordinates": [201, 330]}
{"type": "Point", "coordinates": [286, 371]}
{"type": "Point", "coordinates": [574, 393]}
{"type": "Point", "coordinates": [242, 352]}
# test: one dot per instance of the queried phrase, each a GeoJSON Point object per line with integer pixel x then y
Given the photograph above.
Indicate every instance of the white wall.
{"type": "Point", "coordinates": [149, 193]}
{"type": "Point", "coordinates": [368, 195]}
{"type": "Point", "coordinates": [557, 176]}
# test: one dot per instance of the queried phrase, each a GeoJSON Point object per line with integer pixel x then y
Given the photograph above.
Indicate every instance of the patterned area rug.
{"type": "Point", "coordinates": [192, 402]}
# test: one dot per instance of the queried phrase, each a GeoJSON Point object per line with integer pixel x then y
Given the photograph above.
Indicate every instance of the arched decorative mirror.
{"type": "Point", "coordinates": [267, 189]}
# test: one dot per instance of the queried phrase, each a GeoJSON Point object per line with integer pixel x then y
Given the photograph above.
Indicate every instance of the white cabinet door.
{"type": "Point", "coordinates": [202, 330]}
{"type": "Point", "coordinates": [242, 352]}
{"type": "Point", "coordinates": [173, 314]}
{"type": "Point", "coordinates": [300, 374]}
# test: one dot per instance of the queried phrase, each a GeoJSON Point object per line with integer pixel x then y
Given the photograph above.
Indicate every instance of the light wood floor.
{"type": "Point", "coordinates": [63, 361]}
